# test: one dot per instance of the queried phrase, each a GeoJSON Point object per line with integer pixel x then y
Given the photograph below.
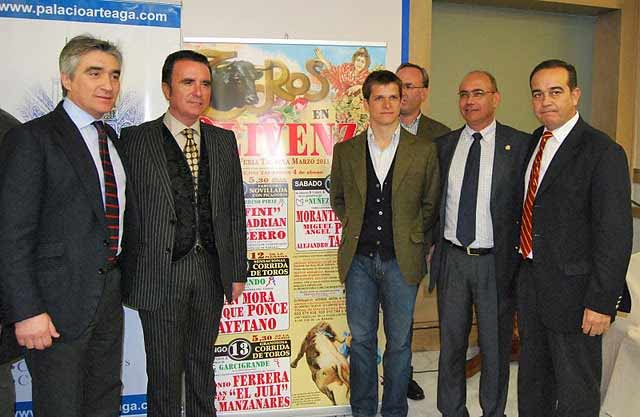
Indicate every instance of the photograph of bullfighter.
{"type": "Point", "coordinates": [329, 367]}
{"type": "Point", "coordinates": [234, 84]}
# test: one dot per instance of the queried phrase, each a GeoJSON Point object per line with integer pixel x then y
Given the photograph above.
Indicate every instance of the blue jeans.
{"type": "Point", "coordinates": [372, 283]}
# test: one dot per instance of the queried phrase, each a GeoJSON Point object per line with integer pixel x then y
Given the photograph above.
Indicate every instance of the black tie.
{"type": "Point", "coordinates": [466, 230]}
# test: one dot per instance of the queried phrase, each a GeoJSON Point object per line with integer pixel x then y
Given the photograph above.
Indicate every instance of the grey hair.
{"type": "Point", "coordinates": [423, 71]}
{"type": "Point", "coordinates": [77, 47]}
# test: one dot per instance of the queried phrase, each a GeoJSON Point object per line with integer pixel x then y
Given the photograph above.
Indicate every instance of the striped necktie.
{"type": "Point", "coordinates": [111, 206]}
{"type": "Point", "coordinates": [526, 223]}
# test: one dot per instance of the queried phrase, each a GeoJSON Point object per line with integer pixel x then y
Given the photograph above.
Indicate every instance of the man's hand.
{"type": "Point", "coordinates": [430, 255]}
{"type": "Point", "coordinates": [36, 332]}
{"type": "Point", "coordinates": [594, 323]}
{"type": "Point", "coordinates": [236, 290]}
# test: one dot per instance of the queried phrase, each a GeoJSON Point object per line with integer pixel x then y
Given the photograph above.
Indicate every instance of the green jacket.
{"type": "Point", "coordinates": [415, 194]}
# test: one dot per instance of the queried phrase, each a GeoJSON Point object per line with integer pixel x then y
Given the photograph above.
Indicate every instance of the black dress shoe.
{"type": "Point", "coordinates": [414, 392]}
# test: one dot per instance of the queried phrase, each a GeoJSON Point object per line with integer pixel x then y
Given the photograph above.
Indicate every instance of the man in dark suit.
{"type": "Point", "coordinates": [384, 190]}
{"type": "Point", "coordinates": [9, 349]}
{"type": "Point", "coordinates": [187, 247]}
{"type": "Point", "coordinates": [575, 241]}
{"type": "Point", "coordinates": [415, 90]}
{"type": "Point", "coordinates": [62, 199]}
{"type": "Point", "coordinates": [474, 259]}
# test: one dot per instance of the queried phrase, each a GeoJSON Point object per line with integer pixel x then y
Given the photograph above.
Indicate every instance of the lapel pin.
{"type": "Point", "coordinates": [507, 147]}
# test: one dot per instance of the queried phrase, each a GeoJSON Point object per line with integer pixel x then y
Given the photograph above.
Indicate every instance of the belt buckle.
{"type": "Point", "coordinates": [468, 249]}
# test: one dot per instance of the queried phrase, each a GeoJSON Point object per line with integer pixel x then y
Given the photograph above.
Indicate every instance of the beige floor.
{"type": "Point", "coordinates": [428, 381]}
{"type": "Point", "coordinates": [428, 361]}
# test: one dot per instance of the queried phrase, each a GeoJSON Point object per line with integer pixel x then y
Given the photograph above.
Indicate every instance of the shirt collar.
{"type": "Point", "coordinates": [488, 133]}
{"type": "Point", "coordinates": [395, 138]}
{"type": "Point", "coordinates": [79, 117]}
{"type": "Point", "coordinates": [413, 124]}
{"type": "Point", "coordinates": [176, 127]}
{"type": "Point", "coordinates": [562, 132]}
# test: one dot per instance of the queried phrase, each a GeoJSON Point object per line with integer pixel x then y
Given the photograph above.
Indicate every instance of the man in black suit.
{"type": "Point", "coordinates": [575, 241]}
{"type": "Point", "coordinates": [62, 199]}
{"type": "Point", "coordinates": [188, 238]}
{"type": "Point", "coordinates": [9, 349]}
{"type": "Point", "coordinates": [415, 90]}
{"type": "Point", "coordinates": [474, 259]}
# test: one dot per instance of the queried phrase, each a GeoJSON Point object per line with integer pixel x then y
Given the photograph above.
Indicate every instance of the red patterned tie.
{"type": "Point", "coordinates": [111, 206]}
{"type": "Point", "coordinates": [526, 239]}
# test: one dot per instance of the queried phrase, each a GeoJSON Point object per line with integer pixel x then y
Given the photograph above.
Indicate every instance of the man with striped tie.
{"type": "Point", "coordinates": [186, 241]}
{"type": "Point", "coordinates": [62, 199]}
{"type": "Point", "coordinates": [575, 243]}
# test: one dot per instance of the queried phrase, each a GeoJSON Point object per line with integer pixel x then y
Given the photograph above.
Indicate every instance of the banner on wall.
{"type": "Point", "coordinates": [34, 32]}
{"type": "Point", "coordinates": [283, 347]}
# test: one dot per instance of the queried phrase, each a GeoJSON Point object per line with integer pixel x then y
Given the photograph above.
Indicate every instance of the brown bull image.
{"type": "Point", "coordinates": [326, 363]}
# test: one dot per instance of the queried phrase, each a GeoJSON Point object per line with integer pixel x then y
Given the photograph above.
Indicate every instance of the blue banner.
{"type": "Point", "coordinates": [95, 11]}
{"type": "Point", "coordinates": [130, 405]}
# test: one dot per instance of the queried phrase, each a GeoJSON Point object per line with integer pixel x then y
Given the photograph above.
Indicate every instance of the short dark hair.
{"type": "Point", "coordinates": [380, 77]}
{"type": "Point", "coordinates": [423, 71]}
{"type": "Point", "coordinates": [558, 63]}
{"type": "Point", "coordinates": [183, 55]}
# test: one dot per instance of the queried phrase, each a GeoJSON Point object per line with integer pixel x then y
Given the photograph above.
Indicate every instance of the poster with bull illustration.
{"type": "Point", "coordinates": [283, 347]}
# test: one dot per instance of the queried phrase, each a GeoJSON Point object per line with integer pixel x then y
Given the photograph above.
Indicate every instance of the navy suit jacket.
{"type": "Point", "coordinates": [582, 228]}
{"type": "Point", "coordinates": [53, 233]}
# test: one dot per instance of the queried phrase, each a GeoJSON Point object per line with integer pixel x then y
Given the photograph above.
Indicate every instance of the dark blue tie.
{"type": "Point", "coordinates": [466, 230]}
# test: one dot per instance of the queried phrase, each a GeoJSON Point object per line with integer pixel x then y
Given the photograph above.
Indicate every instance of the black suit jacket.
{"type": "Point", "coordinates": [53, 234]}
{"type": "Point", "coordinates": [9, 348]}
{"type": "Point", "coordinates": [511, 148]}
{"type": "Point", "coordinates": [151, 224]}
{"type": "Point", "coordinates": [582, 228]}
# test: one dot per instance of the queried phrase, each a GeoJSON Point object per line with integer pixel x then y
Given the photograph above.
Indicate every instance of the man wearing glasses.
{"type": "Point", "coordinates": [474, 259]}
{"type": "Point", "coordinates": [415, 90]}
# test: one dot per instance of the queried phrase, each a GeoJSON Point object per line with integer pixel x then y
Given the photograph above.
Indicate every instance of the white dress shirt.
{"type": "Point", "coordinates": [382, 158]}
{"type": "Point", "coordinates": [484, 225]}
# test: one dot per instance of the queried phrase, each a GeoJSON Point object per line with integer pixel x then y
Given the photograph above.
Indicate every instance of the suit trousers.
{"type": "Point", "coordinates": [469, 282]}
{"type": "Point", "coordinates": [81, 377]}
{"type": "Point", "coordinates": [180, 336]}
{"type": "Point", "coordinates": [7, 391]}
{"type": "Point", "coordinates": [559, 373]}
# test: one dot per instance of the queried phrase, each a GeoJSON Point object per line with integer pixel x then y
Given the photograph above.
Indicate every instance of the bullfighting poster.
{"type": "Point", "coordinates": [283, 347]}
{"type": "Point", "coordinates": [34, 33]}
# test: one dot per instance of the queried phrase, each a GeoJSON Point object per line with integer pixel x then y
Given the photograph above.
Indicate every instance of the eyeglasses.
{"type": "Point", "coordinates": [411, 86]}
{"type": "Point", "coordinates": [464, 94]}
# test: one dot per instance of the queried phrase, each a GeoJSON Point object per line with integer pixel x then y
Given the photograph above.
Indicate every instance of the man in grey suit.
{"type": "Point", "coordinates": [62, 202]}
{"type": "Point", "coordinates": [9, 350]}
{"type": "Point", "coordinates": [474, 259]}
{"type": "Point", "coordinates": [415, 90]}
{"type": "Point", "coordinates": [187, 238]}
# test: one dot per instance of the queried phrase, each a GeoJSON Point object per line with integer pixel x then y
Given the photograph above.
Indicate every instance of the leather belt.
{"type": "Point", "coordinates": [471, 251]}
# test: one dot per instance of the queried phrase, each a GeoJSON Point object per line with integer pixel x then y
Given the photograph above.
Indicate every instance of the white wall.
{"type": "Point", "coordinates": [333, 20]}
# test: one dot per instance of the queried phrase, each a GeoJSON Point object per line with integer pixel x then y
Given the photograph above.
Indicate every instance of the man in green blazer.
{"type": "Point", "coordinates": [415, 90]}
{"type": "Point", "coordinates": [385, 191]}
